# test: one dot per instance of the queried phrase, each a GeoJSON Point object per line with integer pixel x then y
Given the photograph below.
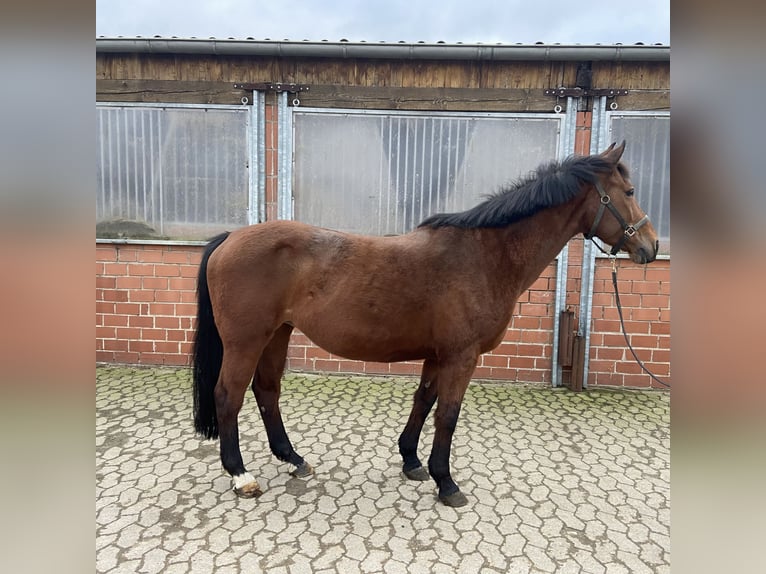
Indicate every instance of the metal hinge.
{"type": "Point", "coordinates": [273, 87]}
{"type": "Point", "coordinates": [582, 92]}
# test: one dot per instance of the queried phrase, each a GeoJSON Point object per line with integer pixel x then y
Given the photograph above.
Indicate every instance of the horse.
{"type": "Point", "coordinates": [442, 293]}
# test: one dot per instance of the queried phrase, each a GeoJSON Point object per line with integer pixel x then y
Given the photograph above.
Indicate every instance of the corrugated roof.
{"type": "Point", "coordinates": [396, 50]}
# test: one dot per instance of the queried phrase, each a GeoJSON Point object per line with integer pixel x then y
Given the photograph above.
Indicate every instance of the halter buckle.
{"type": "Point", "coordinates": [630, 231]}
{"type": "Point", "coordinates": [605, 199]}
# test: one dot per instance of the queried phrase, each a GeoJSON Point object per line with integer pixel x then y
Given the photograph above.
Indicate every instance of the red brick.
{"type": "Point", "coordinates": [162, 309]}
{"type": "Point", "coordinates": [105, 254]}
{"type": "Point", "coordinates": [177, 360]}
{"type": "Point", "coordinates": [501, 374]}
{"type": "Point", "coordinates": [138, 346]}
{"type": "Point", "coordinates": [494, 361]}
{"type": "Point", "coordinates": [638, 327]}
{"type": "Point", "coordinates": [659, 301]}
{"type": "Point", "coordinates": [126, 282]}
{"type": "Point", "coordinates": [149, 255]}
{"type": "Point", "coordinates": [126, 254]}
{"type": "Point", "coordinates": [609, 353]}
{"type": "Point", "coordinates": [628, 367]}
{"type": "Point", "coordinates": [115, 320]}
{"type": "Point", "coordinates": [153, 334]}
{"type": "Point", "coordinates": [114, 295]}
{"type": "Point", "coordinates": [182, 284]}
{"type": "Point", "coordinates": [141, 296]}
{"type": "Point", "coordinates": [658, 274]}
{"type": "Point", "coordinates": [645, 287]}
{"type": "Point", "coordinates": [404, 368]}
{"type": "Point", "coordinates": [522, 362]}
{"type": "Point", "coordinates": [105, 307]}
{"type": "Point", "coordinates": [526, 350]}
{"type": "Point", "coordinates": [126, 357]}
{"type": "Point", "coordinates": [170, 347]}
{"type": "Point", "coordinates": [637, 380]}
{"type": "Point", "coordinates": [154, 283]}
{"type": "Point", "coordinates": [167, 270]}
{"type": "Point", "coordinates": [536, 336]}
{"type": "Point", "coordinates": [327, 365]}
{"type": "Point", "coordinates": [167, 296]}
{"type": "Point", "coordinates": [175, 334]}
{"type": "Point", "coordinates": [115, 345]}
{"type": "Point", "coordinates": [645, 314]}
{"type": "Point", "coordinates": [104, 356]}
{"type": "Point", "coordinates": [180, 257]}
{"type": "Point", "coordinates": [540, 284]}
{"type": "Point", "coordinates": [522, 322]}
{"type": "Point", "coordinates": [186, 309]}
{"type": "Point", "coordinates": [541, 296]}
{"type": "Point", "coordinates": [128, 333]}
{"type": "Point", "coordinates": [534, 309]}
{"type": "Point", "coordinates": [162, 322]}
{"type": "Point", "coordinates": [143, 321]}
{"type": "Point", "coordinates": [188, 297]}
{"type": "Point", "coordinates": [188, 271]}
{"type": "Point", "coordinates": [625, 273]}
{"type": "Point", "coordinates": [602, 365]}
{"type": "Point", "coordinates": [313, 352]}
{"type": "Point", "coordinates": [151, 359]}
{"type": "Point", "coordinates": [507, 349]}
{"type": "Point", "coordinates": [140, 269]}
{"type": "Point", "coordinates": [106, 282]}
{"type": "Point", "coordinates": [659, 328]}
{"type": "Point", "coordinates": [606, 326]}
{"type": "Point", "coordinates": [106, 333]}
{"type": "Point", "coordinates": [116, 269]}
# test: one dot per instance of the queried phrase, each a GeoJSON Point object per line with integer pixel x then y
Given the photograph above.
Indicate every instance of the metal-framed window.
{"type": "Point", "coordinates": [382, 172]}
{"type": "Point", "coordinates": [647, 154]}
{"type": "Point", "coordinates": [172, 171]}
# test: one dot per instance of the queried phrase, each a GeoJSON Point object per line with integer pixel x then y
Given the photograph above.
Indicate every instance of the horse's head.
{"type": "Point", "coordinates": [616, 217]}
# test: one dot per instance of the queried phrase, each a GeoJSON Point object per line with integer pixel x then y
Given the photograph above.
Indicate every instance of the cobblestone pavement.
{"type": "Point", "coordinates": [556, 481]}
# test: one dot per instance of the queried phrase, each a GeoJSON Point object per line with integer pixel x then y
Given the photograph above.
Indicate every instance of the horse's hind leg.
{"type": "Point", "coordinates": [236, 371]}
{"type": "Point", "coordinates": [424, 400]}
{"type": "Point", "coordinates": [267, 384]}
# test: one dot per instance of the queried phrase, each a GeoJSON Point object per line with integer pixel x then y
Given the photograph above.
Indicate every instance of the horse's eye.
{"type": "Point", "coordinates": [631, 192]}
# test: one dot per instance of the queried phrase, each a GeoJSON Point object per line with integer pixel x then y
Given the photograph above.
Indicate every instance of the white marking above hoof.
{"type": "Point", "coordinates": [246, 486]}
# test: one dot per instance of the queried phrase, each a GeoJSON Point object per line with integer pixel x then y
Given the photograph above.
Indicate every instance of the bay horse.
{"type": "Point", "coordinates": [442, 293]}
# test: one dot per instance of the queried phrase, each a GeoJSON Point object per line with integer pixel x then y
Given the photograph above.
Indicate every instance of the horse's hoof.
{"type": "Point", "coordinates": [245, 486]}
{"type": "Point", "coordinates": [418, 473]}
{"type": "Point", "coordinates": [454, 500]}
{"type": "Point", "coordinates": [250, 490]}
{"type": "Point", "coordinates": [303, 470]}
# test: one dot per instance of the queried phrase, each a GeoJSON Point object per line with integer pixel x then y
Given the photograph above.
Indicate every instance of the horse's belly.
{"type": "Point", "coordinates": [374, 343]}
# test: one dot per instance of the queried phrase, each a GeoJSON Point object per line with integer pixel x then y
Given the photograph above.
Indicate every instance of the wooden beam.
{"type": "Point", "coordinates": [361, 97]}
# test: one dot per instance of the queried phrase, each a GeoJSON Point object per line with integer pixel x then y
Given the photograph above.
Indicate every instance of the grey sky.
{"type": "Point", "coordinates": [468, 21]}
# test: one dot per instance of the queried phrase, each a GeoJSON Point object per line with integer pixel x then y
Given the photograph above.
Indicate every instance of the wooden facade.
{"type": "Point", "coordinates": [446, 85]}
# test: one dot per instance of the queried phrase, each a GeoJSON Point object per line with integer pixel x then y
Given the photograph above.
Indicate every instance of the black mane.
{"type": "Point", "coordinates": [551, 184]}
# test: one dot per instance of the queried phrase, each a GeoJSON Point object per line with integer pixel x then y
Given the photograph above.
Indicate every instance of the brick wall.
{"type": "Point", "coordinates": [146, 303]}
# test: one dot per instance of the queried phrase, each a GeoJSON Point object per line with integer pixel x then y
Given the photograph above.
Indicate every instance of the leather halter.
{"type": "Point", "coordinates": [629, 229]}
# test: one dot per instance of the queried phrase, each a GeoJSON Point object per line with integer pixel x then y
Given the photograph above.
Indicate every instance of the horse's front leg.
{"type": "Point", "coordinates": [454, 376]}
{"type": "Point", "coordinates": [236, 372]}
{"type": "Point", "coordinates": [424, 400]}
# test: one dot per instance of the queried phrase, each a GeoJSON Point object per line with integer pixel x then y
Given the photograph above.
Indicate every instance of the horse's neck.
{"type": "Point", "coordinates": [533, 243]}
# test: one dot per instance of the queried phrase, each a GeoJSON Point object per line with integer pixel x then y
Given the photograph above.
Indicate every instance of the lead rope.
{"type": "Point", "coordinates": [622, 322]}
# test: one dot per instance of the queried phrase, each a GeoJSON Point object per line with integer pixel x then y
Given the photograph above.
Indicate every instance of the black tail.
{"type": "Point", "coordinates": [208, 351]}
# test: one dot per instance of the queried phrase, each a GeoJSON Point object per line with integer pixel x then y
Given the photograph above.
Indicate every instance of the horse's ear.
{"type": "Point", "coordinates": [613, 154]}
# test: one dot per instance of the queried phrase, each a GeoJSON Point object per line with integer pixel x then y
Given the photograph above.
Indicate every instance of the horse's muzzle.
{"type": "Point", "coordinates": [647, 254]}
